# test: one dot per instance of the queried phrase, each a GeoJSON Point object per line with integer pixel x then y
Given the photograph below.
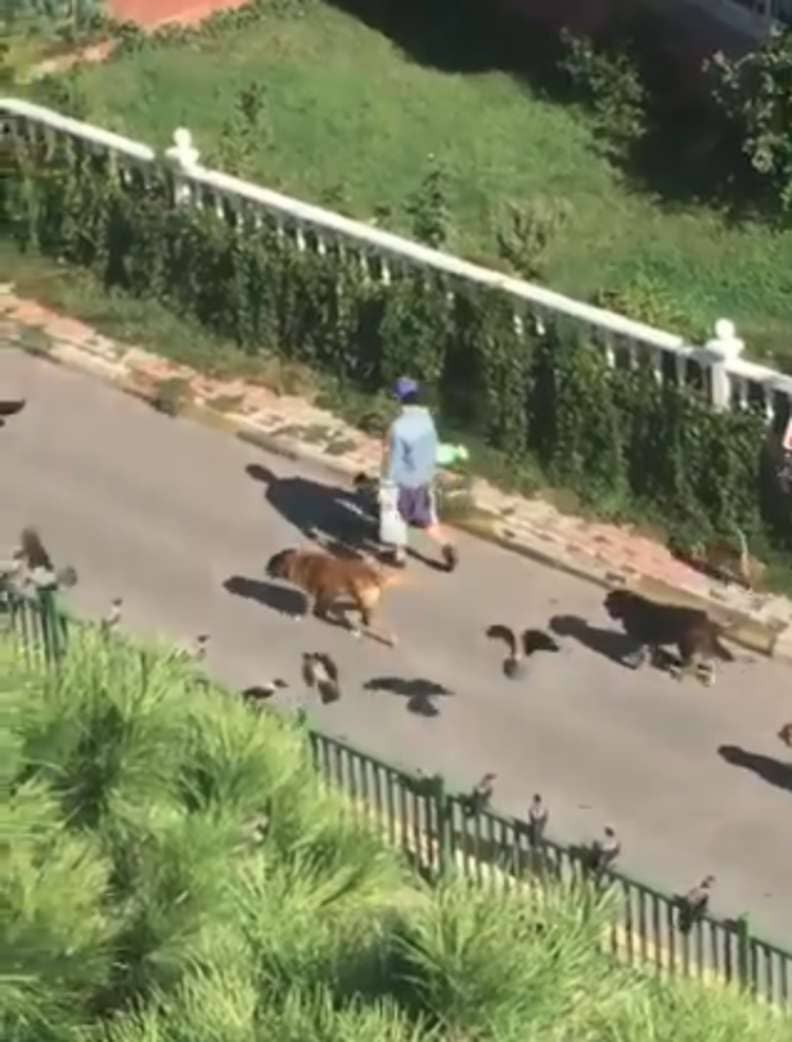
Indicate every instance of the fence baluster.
{"type": "Point", "coordinates": [389, 776]}
{"type": "Point", "coordinates": [769, 981]}
{"type": "Point", "coordinates": [377, 786]}
{"type": "Point", "coordinates": [642, 928]}
{"type": "Point", "coordinates": [657, 938]}
{"type": "Point", "coordinates": [416, 803]}
{"type": "Point", "coordinates": [672, 961]}
{"type": "Point", "coordinates": [404, 826]}
{"type": "Point", "coordinates": [743, 952]}
{"type": "Point", "coordinates": [628, 920]}
{"type": "Point", "coordinates": [783, 975]}
{"type": "Point", "coordinates": [445, 829]}
{"type": "Point", "coordinates": [685, 946]}
{"type": "Point", "coordinates": [338, 766]}
{"type": "Point", "coordinates": [699, 950]}
{"type": "Point", "coordinates": [753, 971]}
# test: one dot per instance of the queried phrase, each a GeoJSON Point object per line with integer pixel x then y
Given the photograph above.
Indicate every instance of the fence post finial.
{"type": "Point", "coordinates": [182, 151]}
{"type": "Point", "coordinates": [724, 347]}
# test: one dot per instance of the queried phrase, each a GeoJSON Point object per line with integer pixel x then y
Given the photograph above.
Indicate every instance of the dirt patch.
{"type": "Point", "coordinates": [153, 13]}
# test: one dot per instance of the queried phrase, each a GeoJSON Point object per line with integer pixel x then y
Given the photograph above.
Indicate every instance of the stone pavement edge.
{"type": "Point", "coordinates": [289, 426]}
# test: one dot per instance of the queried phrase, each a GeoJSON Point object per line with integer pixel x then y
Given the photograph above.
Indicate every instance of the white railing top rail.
{"type": "Point", "coordinates": [369, 239]}
{"type": "Point", "coordinates": [367, 236]}
{"type": "Point", "coordinates": [409, 251]}
{"type": "Point", "coordinates": [76, 128]}
{"type": "Point", "coordinates": [755, 373]}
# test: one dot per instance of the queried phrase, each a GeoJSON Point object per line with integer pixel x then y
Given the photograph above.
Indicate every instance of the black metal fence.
{"type": "Point", "coordinates": [438, 832]}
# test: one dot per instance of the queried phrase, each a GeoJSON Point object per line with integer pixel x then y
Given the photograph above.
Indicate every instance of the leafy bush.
{"type": "Point", "coordinates": [531, 230]}
{"type": "Point", "coordinates": [609, 80]}
{"type": "Point", "coordinates": [645, 299]}
{"type": "Point", "coordinates": [245, 131]}
{"type": "Point", "coordinates": [754, 94]}
{"type": "Point", "coordinates": [613, 435]}
{"type": "Point", "coordinates": [69, 21]}
{"type": "Point", "coordinates": [428, 208]}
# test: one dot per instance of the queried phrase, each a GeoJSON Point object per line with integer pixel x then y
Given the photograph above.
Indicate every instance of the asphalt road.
{"type": "Point", "coordinates": [164, 512]}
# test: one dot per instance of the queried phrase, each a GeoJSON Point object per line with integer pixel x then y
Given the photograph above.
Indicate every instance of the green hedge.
{"type": "Point", "coordinates": [615, 436]}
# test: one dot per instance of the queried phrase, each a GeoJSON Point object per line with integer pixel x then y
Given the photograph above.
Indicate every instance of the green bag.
{"type": "Point", "coordinates": [448, 455]}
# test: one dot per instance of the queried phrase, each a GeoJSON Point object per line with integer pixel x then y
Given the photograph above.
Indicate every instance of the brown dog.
{"type": "Point", "coordinates": [327, 580]}
{"type": "Point", "coordinates": [653, 625]}
{"type": "Point", "coordinates": [785, 734]}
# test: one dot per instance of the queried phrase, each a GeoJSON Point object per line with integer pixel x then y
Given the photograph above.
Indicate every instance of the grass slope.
{"type": "Point", "coordinates": [350, 120]}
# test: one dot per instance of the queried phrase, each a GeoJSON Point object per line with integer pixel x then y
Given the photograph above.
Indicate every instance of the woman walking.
{"type": "Point", "coordinates": [408, 474]}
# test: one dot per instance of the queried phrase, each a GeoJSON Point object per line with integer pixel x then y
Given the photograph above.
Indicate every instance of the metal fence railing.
{"type": "Point", "coordinates": [439, 834]}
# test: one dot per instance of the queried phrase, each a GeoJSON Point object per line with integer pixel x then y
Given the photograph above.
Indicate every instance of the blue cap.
{"type": "Point", "coordinates": [404, 386]}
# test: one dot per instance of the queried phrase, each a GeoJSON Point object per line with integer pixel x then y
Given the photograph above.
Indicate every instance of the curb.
{"type": "Point", "coordinates": [745, 631]}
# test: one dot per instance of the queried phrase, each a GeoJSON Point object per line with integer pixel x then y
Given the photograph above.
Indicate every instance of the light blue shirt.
{"type": "Point", "coordinates": [413, 448]}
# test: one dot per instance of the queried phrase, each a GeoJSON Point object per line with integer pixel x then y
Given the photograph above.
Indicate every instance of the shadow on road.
{"type": "Point", "coordinates": [10, 408]}
{"type": "Point", "coordinates": [286, 601]}
{"type": "Point", "coordinates": [419, 693]}
{"type": "Point", "coordinates": [333, 517]}
{"type": "Point", "coordinates": [610, 643]}
{"type": "Point", "coordinates": [279, 598]}
{"type": "Point", "coordinates": [325, 513]}
{"type": "Point", "coordinates": [774, 772]}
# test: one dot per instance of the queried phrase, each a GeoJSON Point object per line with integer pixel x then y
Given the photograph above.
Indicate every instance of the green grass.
{"type": "Point", "coordinates": [350, 121]}
{"type": "Point", "coordinates": [170, 870]}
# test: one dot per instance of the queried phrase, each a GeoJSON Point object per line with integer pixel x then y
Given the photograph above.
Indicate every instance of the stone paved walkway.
{"type": "Point", "coordinates": [603, 553]}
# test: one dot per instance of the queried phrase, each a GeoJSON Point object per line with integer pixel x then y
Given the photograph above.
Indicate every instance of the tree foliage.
{"type": "Point", "coordinates": [754, 94]}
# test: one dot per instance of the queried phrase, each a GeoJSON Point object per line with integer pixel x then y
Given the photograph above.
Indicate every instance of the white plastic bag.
{"type": "Point", "coordinates": [392, 529]}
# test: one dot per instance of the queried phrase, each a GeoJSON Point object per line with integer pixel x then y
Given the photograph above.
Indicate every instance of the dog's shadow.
{"type": "Point", "coordinates": [281, 599]}
{"type": "Point", "coordinates": [611, 644]}
{"type": "Point", "coordinates": [295, 605]}
{"type": "Point", "coordinates": [420, 693]}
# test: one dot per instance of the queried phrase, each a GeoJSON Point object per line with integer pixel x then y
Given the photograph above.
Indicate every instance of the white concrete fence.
{"type": "Point", "coordinates": [730, 380]}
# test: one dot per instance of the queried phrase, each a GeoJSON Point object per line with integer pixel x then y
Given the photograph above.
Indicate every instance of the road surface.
{"type": "Point", "coordinates": [165, 513]}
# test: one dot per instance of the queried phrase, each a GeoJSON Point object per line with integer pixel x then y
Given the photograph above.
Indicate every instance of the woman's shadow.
{"type": "Point", "coordinates": [330, 515]}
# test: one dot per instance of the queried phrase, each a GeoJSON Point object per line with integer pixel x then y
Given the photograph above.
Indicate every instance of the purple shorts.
{"type": "Point", "coordinates": [417, 506]}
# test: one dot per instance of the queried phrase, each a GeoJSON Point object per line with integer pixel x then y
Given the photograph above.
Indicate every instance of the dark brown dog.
{"type": "Point", "coordinates": [785, 734]}
{"type": "Point", "coordinates": [328, 580]}
{"type": "Point", "coordinates": [653, 625]}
